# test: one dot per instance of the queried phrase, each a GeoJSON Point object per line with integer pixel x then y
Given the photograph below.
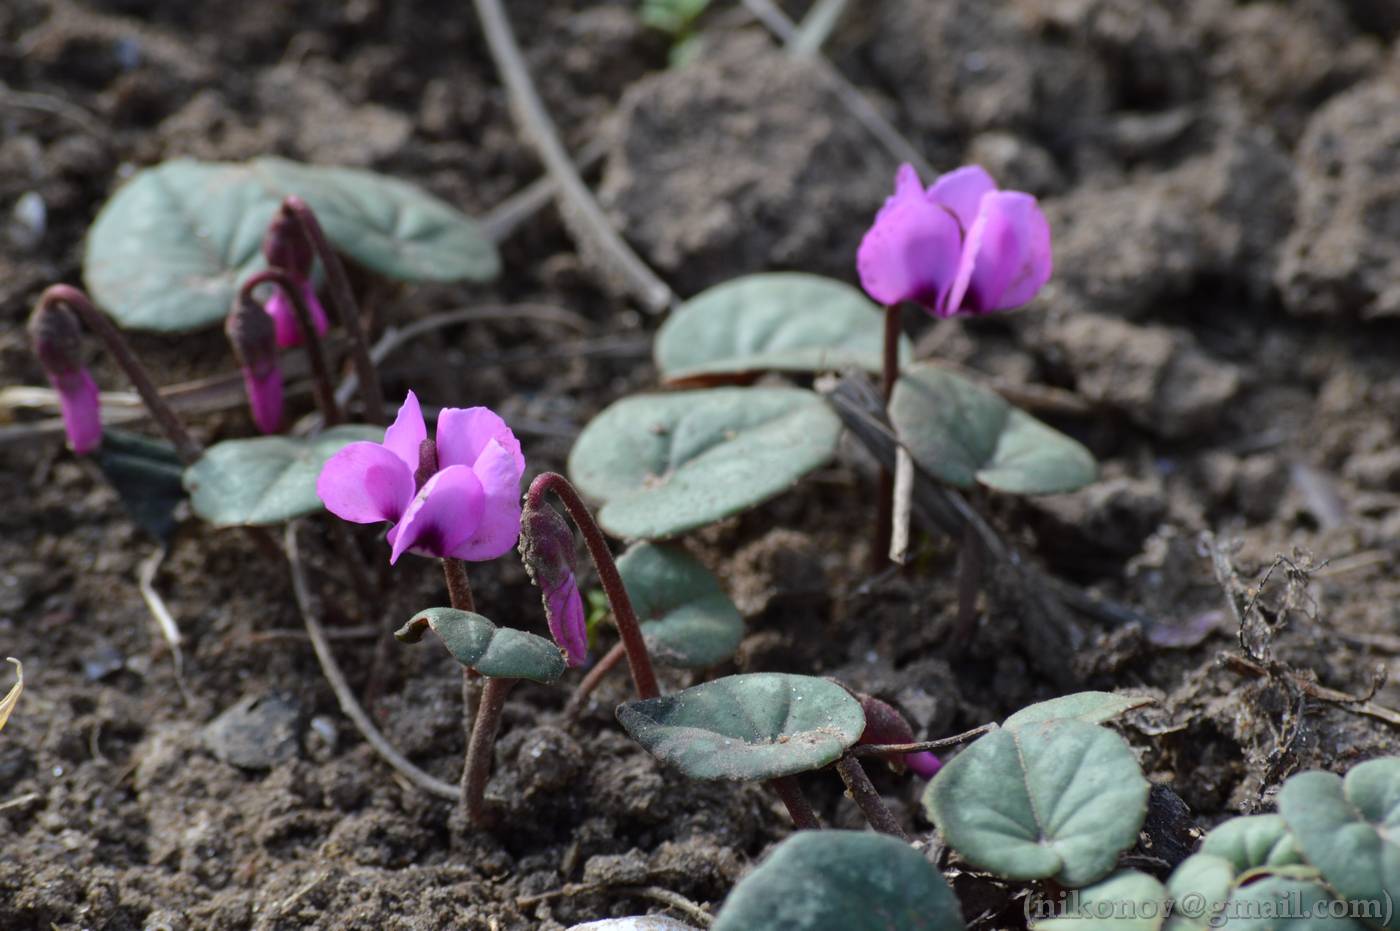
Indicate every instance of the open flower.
{"type": "Point", "coordinates": [251, 332]}
{"type": "Point", "coordinates": [55, 337]}
{"type": "Point", "coordinates": [548, 552]}
{"type": "Point", "coordinates": [961, 246]}
{"type": "Point", "coordinates": [468, 508]}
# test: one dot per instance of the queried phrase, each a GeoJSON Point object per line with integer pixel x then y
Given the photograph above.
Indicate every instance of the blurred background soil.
{"type": "Point", "coordinates": [1223, 182]}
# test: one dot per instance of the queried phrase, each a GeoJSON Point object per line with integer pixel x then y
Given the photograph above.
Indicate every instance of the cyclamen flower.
{"type": "Point", "coordinates": [547, 550]}
{"type": "Point", "coordinates": [961, 246]}
{"type": "Point", "coordinates": [250, 331]}
{"type": "Point", "coordinates": [885, 725]}
{"type": "Point", "coordinates": [285, 247]}
{"type": "Point", "coordinates": [468, 507]}
{"type": "Point", "coordinates": [55, 335]}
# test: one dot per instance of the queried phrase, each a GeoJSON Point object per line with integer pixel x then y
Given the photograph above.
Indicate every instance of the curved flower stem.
{"type": "Point", "coordinates": [481, 747]}
{"type": "Point", "coordinates": [871, 805]}
{"type": "Point", "coordinates": [884, 494]}
{"type": "Point", "coordinates": [344, 299]}
{"type": "Point", "coordinates": [185, 445]}
{"type": "Point", "coordinates": [315, 352]}
{"type": "Point", "coordinates": [638, 660]}
{"type": "Point", "coordinates": [459, 587]}
{"type": "Point", "coordinates": [589, 682]}
{"type": "Point", "coordinates": [788, 789]}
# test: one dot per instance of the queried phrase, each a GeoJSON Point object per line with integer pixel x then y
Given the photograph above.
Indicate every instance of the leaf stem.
{"type": "Point", "coordinates": [863, 792]}
{"type": "Point", "coordinates": [346, 308]}
{"type": "Point", "coordinates": [941, 744]}
{"type": "Point", "coordinates": [315, 350]}
{"type": "Point", "coordinates": [638, 660]}
{"type": "Point", "coordinates": [788, 789]}
{"type": "Point", "coordinates": [186, 447]}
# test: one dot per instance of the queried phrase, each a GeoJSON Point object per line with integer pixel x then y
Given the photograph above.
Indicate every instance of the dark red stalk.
{"type": "Point", "coordinates": [638, 660]}
{"type": "Point", "coordinates": [343, 297]}
{"type": "Point", "coordinates": [315, 351]}
{"type": "Point", "coordinates": [185, 445]}
{"type": "Point", "coordinates": [863, 792]}
{"type": "Point", "coordinates": [788, 789]}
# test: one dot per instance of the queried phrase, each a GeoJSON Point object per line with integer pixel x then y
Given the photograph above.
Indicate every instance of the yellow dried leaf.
{"type": "Point", "coordinates": [7, 704]}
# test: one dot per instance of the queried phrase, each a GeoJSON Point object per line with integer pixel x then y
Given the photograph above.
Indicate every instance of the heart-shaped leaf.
{"type": "Point", "coordinates": [1350, 829]}
{"type": "Point", "coordinates": [266, 480]}
{"type": "Point", "coordinates": [1058, 799]}
{"type": "Point", "coordinates": [171, 247]}
{"type": "Point", "coordinates": [1126, 901]}
{"type": "Point", "coordinates": [1093, 707]}
{"type": "Point", "coordinates": [147, 476]}
{"type": "Point", "coordinates": [962, 434]}
{"type": "Point", "coordinates": [747, 728]}
{"type": "Point", "coordinates": [497, 652]}
{"type": "Point", "coordinates": [1253, 841]}
{"type": "Point", "coordinates": [1280, 903]}
{"type": "Point", "coordinates": [780, 322]}
{"type": "Point", "coordinates": [1199, 888]}
{"type": "Point", "coordinates": [663, 464]}
{"type": "Point", "coordinates": [687, 619]}
{"type": "Point", "coordinates": [851, 880]}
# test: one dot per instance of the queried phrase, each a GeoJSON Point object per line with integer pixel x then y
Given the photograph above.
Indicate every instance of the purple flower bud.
{"type": "Point", "coordinates": [961, 246]}
{"type": "Point", "coordinates": [547, 549]}
{"type": "Point", "coordinates": [885, 725]}
{"type": "Point", "coordinates": [252, 334]}
{"type": "Point", "coordinates": [56, 338]}
{"type": "Point", "coordinates": [285, 246]}
{"type": "Point", "coordinates": [284, 315]}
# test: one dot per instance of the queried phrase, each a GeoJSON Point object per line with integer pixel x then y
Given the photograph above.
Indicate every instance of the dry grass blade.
{"type": "Point", "coordinates": [7, 704]}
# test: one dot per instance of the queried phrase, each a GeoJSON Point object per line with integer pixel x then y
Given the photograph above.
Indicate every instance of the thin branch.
{"type": "Point", "coordinates": [510, 214]}
{"type": "Point", "coordinates": [578, 206]}
{"type": "Point", "coordinates": [309, 604]}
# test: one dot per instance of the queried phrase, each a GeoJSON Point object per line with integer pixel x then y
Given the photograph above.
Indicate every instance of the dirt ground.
{"type": "Point", "coordinates": [1223, 183]}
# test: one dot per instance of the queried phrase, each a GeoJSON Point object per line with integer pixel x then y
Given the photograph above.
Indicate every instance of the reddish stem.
{"type": "Point", "coordinates": [315, 352]}
{"type": "Point", "coordinates": [481, 747]}
{"type": "Point", "coordinates": [344, 299]}
{"type": "Point", "coordinates": [863, 792]}
{"type": "Point", "coordinates": [638, 660]}
{"type": "Point", "coordinates": [185, 445]}
{"type": "Point", "coordinates": [788, 789]}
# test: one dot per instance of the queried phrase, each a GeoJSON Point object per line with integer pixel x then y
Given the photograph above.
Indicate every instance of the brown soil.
{"type": "Point", "coordinates": [1223, 179]}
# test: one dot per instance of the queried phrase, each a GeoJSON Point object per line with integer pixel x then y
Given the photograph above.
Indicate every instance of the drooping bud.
{"type": "Point", "coordinates": [548, 552]}
{"type": "Point", "coordinates": [56, 338]}
{"type": "Point", "coordinates": [253, 335]}
{"type": "Point", "coordinates": [885, 725]}
{"type": "Point", "coordinates": [285, 246]}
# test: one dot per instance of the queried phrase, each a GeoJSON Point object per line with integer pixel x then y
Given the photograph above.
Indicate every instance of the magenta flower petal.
{"type": "Point", "coordinates": [923, 763]}
{"type": "Point", "coordinates": [961, 191]}
{"type": "Point", "coordinates": [567, 623]}
{"type": "Point", "coordinates": [499, 473]}
{"type": "Point", "coordinates": [365, 483]}
{"type": "Point", "coordinates": [462, 434]}
{"type": "Point", "coordinates": [910, 253]}
{"type": "Point", "coordinates": [279, 308]}
{"type": "Point", "coordinates": [1006, 258]}
{"type": "Point", "coordinates": [265, 396]}
{"type": "Point", "coordinates": [81, 409]}
{"type": "Point", "coordinates": [445, 513]}
{"type": "Point", "coordinates": [407, 433]}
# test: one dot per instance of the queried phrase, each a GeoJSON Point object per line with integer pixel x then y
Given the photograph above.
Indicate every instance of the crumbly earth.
{"type": "Point", "coordinates": [1223, 180]}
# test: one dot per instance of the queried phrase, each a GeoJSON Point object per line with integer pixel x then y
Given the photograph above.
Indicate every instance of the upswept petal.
{"type": "Point", "coordinates": [1006, 258]}
{"type": "Point", "coordinates": [364, 483]}
{"type": "Point", "coordinates": [279, 307]}
{"type": "Point", "coordinates": [907, 187]}
{"type": "Point", "coordinates": [910, 254]}
{"type": "Point", "coordinates": [81, 410]}
{"type": "Point", "coordinates": [961, 191]}
{"type": "Point", "coordinates": [567, 623]}
{"type": "Point", "coordinates": [463, 432]}
{"type": "Point", "coordinates": [406, 434]}
{"type": "Point", "coordinates": [445, 512]}
{"type": "Point", "coordinates": [499, 527]}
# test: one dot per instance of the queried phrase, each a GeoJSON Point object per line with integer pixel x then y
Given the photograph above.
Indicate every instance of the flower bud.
{"type": "Point", "coordinates": [285, 246]}
{"type": "Point", "coordinates": [885, 725]}
{"type": "Point", "coordinates": [547, 550]}
{"type": "Point", "coordinates": [56, 338]}
{"type": "Point", "coordinates": [253, 336]}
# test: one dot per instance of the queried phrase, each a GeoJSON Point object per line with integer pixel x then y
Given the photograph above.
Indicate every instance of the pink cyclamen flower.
{"type": "Point", "coordinates": [548, 552]}
{"type": "Point", "coordinates": [469, 508]}
{"type": "Point", "coordinates": [959, 246]}
{"type": "Point", "coordinates": [55, 337]}
{"type": "Point", "coordinates": [251, 331]}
